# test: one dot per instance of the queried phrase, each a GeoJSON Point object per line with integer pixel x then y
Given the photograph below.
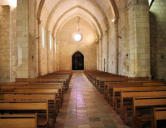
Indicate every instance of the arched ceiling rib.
{"type": "Point", "coordinates": [81, 12]}
{"type": "Point", "coordinates": [101, 12]}
{"type": "Point", "coordinates": [62, 8]}
{"type": "Point", "coordinates": [39, 7]}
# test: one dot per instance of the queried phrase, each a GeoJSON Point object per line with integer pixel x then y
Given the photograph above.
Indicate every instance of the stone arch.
{"type": "Point", "coordinates": [41, 4]}
{"type": "Point", "coordinates": [94, 23]}
{"type": "Point", "coordinates": [112, 3]}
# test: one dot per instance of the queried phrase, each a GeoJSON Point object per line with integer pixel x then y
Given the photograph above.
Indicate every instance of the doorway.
{"type": "Point", "coordinates": [77, 61]}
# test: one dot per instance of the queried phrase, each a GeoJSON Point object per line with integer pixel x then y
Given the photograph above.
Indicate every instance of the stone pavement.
{"type": "Point", "coordinates": [85, 107]}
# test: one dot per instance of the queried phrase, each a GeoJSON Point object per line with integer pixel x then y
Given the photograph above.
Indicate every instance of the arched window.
{"type": "Point", "coordinates": [43, 37]}
{"type": "Point", "coordinates": [50, 42]}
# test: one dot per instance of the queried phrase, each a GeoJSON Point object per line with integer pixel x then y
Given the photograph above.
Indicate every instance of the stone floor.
{"type": "Point", "coordinates": [85, 107]}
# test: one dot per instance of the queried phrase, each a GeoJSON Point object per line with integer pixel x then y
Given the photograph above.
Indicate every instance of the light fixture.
{"type": "Point", "coordinates": [78, 35]}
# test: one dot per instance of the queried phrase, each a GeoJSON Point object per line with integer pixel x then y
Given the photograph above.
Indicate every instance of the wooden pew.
{"type": "Point", "coordinates": [24, 80]}
{"type": "Point", "coordinates": [37, 88]}
{"type": "Point", "coordinates": [128, 96]}
{"type": "Point", "coordinates": [37, 91]}
{"type": "Point", "coordinates": [127, 86]}
{"type": "Point", "coordinates": [109, 85]}
{"type": "Point", "coordinates": [53, 80]}
{"type": "Point", "coordinates": [33, 86]}
{"type": "Point", "coordinates": [53, 106]}
{"type": "Point", "coordinates": [18, 121]}
{"type": "Point", "coordinates": [102, 80]}
{"type": "Point", "coordinates": [6, 106]}
{"type": "Point", "coordinates": [42, 88]}
{"type": "Point", "coordinates": [117, 90]}
{"type": "Point", "coordinates": [159, 113]}
{"type": "Point", "coordinates": [148, 103]}
{"type": "Point", "coordinates": [59, 87]}
{"type": "Point", "coordinates": [109, 90]}
{"type": "Point", "coordinates": [41, 91]}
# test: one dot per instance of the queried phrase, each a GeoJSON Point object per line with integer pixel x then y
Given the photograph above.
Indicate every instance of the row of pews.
{"type": "Point", "coordinates": [140, 98]}
{"type": "Point", "coordinates": [33, 103]}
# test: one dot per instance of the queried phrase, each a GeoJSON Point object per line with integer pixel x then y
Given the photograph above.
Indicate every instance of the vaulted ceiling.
{"type": "Point", "coordinates": [54, 14]}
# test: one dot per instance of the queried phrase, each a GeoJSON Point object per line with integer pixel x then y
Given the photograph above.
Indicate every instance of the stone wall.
{"type": "Point", "coordinates": [4, 43]}
{"type": "Point", "coordinates": [158, 39]}
{"type": "Point", "coordinates": [67, 45]}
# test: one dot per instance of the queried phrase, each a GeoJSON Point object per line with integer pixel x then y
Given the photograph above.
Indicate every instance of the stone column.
{"type": "Point", "coordinates": [139, 38]}
{"type": "Point", "coordinates": [97, 52]}
{"type": "Point", "coordinates": [100, 55]}
{"type": "Point", "coordinates": [57, 54]}
{"type": "Point", "coordinates": [13, 44]}
{"type": "Point", "coordinates": [104, 52]}
{"type": "Point", "coordinates": [23, 38]}
{"type": "Point", "coordinates": [5, 47]}
{"type": "Point", "coordinates": [33, 40]}
{"type": "Point", "coordinates": [54, 55]}
{"type": "Point", "coordinates": [50, 58]}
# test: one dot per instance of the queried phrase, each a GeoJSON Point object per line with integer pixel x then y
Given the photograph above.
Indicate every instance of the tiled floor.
{"type": "Point", "coordinates": [85, 107]}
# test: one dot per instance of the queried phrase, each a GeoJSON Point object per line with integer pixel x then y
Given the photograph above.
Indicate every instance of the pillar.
{"type": "Point", "coordinates": [139, 38]}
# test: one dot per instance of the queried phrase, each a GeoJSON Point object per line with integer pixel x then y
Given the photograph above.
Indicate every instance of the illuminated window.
{"type": "Point", "coordinates": [151, 2]}
{"type": "Point", "coordinates": [43, 37]}
{"type": "Point", "coordinates": [13, 3]}
{"type": "Point", "coordinates": [50, 42]}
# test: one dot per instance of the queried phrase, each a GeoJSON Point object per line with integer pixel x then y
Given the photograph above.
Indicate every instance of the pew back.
{"type": "Point", "coordinates": [18, 121]}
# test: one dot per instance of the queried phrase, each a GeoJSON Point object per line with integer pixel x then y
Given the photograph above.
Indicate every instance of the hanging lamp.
{"type": "Point", "coordinates": [78, 35]}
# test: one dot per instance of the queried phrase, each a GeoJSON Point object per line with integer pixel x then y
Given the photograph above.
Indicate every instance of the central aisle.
{"type": "Point", "coordinates": [85, 107]}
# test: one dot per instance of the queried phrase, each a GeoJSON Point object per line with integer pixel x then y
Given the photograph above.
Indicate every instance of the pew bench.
{"type": "Point", "coordinates": [53, 105]}
{"type": "Point", "coordinates": [41, 91]}
{"type": "Point", "coordinates": [126, 100]}
{"type": "Point", "coordinates": [18, 120]}
{"type": "Point", "coordinates": [110, 85]}
{"type": "Point", "coordinates": [131, 86]}
{"type": "Point", "coordinates": [116, 91]}
{"type": "Point", "coordinates": [159, 113]}
{"type": "Point", "coordinates": [145, 105]}
{"type": "Point", "coordinates": [39, 107]}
